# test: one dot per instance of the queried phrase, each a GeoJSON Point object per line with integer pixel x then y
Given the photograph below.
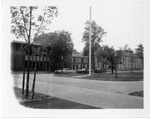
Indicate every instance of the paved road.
{"type": "Point", "coordinates": [102, 94]}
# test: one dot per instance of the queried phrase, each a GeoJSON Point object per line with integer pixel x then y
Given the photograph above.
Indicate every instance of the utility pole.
{"type": "Point", "coordinates": [90, 45]}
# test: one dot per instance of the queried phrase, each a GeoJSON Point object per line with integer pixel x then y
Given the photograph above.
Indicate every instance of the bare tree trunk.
{"type": "Point", "coordinates": [33, 85]}
{"type": "Point", "coordinates": [112, 68]}
{"type": "Point", "coordinates": [29, 47]}
{"type": "Point", "coordinates": [46, 63]}
{"type": "Point", "coordinates": [23, 82]}
{"type": "Point", "coordinates": [28, 74]}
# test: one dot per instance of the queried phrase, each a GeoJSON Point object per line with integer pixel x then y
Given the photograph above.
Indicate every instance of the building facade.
{"type": "Point", "coordinates": [18, 62]}
{"type": "Point", "coordinates": [79, 61]}
{"type": "Point", "coordinates": [128, 61]}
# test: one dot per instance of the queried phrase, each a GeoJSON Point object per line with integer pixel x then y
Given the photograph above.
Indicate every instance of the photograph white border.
{"type": "Point", "coordinates": [11, 108]}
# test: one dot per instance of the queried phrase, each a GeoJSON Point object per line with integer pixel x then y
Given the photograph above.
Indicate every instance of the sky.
{"type": "Point", "coordinates": [123, 20]}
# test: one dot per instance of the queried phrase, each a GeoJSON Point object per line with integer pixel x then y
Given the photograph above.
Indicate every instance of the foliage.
{"type": "Point", "coordinates": [106, 55]}
{"type": "Point", "coordinates": [61, 47]}
{"type": "Point", "coordinates": [25, 18]}
{"type": "Point", "coordinates": [127, 49]}
{"type": "Point", "coordinates": [139, 51]}
{"type": "Point", "coordinates": [119, 54]}
{"type": "Point", "coordinates": [97, 33]}
{"type": "Point", "coordinates": [93, 49]}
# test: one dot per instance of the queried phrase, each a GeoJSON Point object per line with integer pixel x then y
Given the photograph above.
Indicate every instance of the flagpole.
{"type": "Point", "coordinates": [90, 45]}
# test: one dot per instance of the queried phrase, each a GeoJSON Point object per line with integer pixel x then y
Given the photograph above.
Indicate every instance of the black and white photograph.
{"type": "Point", "coordinates": [75, 58]}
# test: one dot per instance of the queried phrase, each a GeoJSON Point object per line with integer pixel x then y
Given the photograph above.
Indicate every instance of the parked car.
{"type": "Point", "coordinates": [64, 70]}
{"type": "Point", "coordinates": [83, 70]}
{"type": "Point", "coordinates": [102, 70]}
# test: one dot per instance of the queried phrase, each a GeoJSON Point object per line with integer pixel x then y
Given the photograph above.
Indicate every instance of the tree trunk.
{"type": "Point", "coordinates": [46, 63]}
{"type": "Point", "coordinates": [28, 74]}
{"type": "Point", "coordinates": [33, 85]}
{"type": "Point", "coordinates": [93, 60]}
{"type": "Point", "coordinates": [29, 47]}
{"type": "Point", "coordinates": [23, 82]}
{"type": "Point", "coordinates": [112, 68]}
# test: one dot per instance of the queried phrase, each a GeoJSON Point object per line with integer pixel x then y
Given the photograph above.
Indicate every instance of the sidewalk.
{"type": "Point", "coordinates": [88, 96]}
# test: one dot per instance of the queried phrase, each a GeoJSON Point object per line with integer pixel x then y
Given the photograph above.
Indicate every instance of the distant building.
{"type": "Point", "coordinates": [127, 62]}
{"type": "Point", "coordinates": [79, 61]}
{"type": "Point", "coordinates": [130, 62]}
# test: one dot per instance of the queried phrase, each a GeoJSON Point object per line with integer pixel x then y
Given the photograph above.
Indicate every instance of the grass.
{"type": "Point", "coordinates": [137, 93]}
{"type": "Point", "coordinates": [126, 76]}
{"type": "Point", "coordinates": [42, 101]}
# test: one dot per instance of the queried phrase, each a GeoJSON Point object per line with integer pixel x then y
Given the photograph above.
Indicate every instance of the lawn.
{"type": "Point", "coordinates": [122, 76]}
{"type": "Point", "coordinates": [137, 93]}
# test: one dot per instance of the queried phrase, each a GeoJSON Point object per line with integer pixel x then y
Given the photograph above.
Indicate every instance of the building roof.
{"type": "Point", "coordinates": [23, 42]}
{"type": "Point", "coordinates": [77, 54]}
{"type": "Point", "coordinates": [130, 54]}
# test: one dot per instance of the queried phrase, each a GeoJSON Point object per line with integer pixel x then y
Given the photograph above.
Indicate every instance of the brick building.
{"type": "Point", "coordinates": [131, 61]}
{"type": "Point", "coordinates": [79, 61]}
{"type": "Point", "coordinates": [128, 61]}
{"type": "Point", "coordinates": [17, 60]}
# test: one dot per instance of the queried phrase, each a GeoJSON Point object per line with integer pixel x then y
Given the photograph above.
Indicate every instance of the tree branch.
{"type": "Point", "coordinates": [21, 34]}
{"type": "Point", "coordinates": [29, 36]}
{"type": "Point", "coordinates": [24, 22]}
{"type": "Point", "coordinates": [41, 24]}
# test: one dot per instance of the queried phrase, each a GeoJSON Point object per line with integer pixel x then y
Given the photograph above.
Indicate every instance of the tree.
{"type": "Point", "coordinates": [106, 55]}
{"type": "Point", "coordinates": [127, 49]}
{"type": "Point", "coordinates": [26, 24]}
{"type": "Point", "coordinates": [139, 51]}
{"type": "Point", "coordinates": [119, 54]}
{"type": "Point", "coordinates": [97, 33]}
{"type": "Point", "coordinates": [61, 49]}
{"type": "Point", "coordinates": [102, 56]}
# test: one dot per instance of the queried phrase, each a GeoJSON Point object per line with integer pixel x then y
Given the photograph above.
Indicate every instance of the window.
{"type": "Point", "coordinates": [76, 66]}
{"type": "Point", "coordinates": [78, 60]}
{"type": "Point", "coordinates": [85, 60]}
{"type": "Point", "coordinates": [73, 66]}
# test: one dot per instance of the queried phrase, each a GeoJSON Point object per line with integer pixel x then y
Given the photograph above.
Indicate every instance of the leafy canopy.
{"type": "Point", "coordinates": [28, 22]}
{"type": "Point", "coordinates": [97, 34]}
{"type": "Point", "coordinates": [139, 51]}
{"type": "Point", "coordinates": [61, 47]}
